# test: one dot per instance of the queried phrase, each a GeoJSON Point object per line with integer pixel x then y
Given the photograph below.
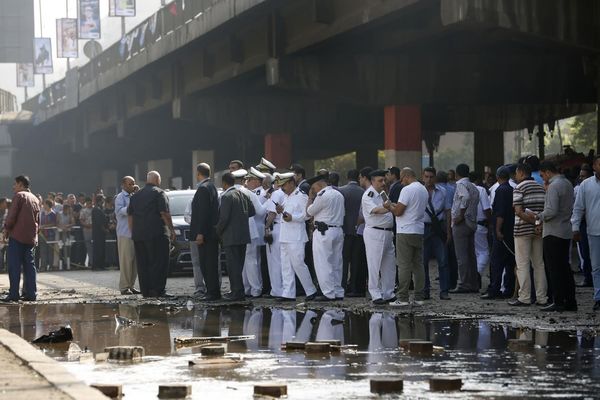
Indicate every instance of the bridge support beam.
{"type": "Point", "coordinates": [489, 150]}
{"type": "Point", "coordinates": [278, 149]}
{"type": "Point", "coordinates": [403, 137]}
{"type": "Point", "coordinates": [367, 157]}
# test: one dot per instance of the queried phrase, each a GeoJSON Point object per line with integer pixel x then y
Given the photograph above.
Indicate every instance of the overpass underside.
{"type": "Point", "coordinates": [308, 79]}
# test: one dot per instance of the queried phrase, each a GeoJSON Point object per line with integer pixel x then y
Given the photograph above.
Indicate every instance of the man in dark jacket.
{"type": "Point", "coordinates": [234, 231]}
{"type": "Point", "coordinates": [205, 213]}
{"type": "Point", "coordinates": [99, 231]}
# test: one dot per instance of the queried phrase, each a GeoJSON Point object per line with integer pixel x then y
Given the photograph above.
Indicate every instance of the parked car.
{"type": "Point", "coordinates": [180, 260]}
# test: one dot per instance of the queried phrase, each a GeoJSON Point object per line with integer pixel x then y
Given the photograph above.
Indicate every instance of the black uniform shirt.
{"type": "Point", "coordinates": [145, 208]}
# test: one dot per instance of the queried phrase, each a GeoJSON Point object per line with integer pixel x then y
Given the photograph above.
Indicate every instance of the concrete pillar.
{"type": "Point", "coordinates": [489, 150]}
{"type": "Point", "coordinates": [202, 156]}
{"type": "Point", "coordinates": [164, 168]}
{"type": "Point", "coordinates": [367, 157]}
{"type": "Point", "coordinates": [278, 149]}
{"type": "Point", "coordinates": [403, 137]}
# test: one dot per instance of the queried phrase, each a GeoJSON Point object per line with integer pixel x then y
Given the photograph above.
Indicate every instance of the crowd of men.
{"type": "Point", "coordinates": [374, 236]}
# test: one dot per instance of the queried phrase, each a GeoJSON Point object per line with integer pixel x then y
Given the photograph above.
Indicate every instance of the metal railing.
{"type": "Point", "coordinates": [164, 22]}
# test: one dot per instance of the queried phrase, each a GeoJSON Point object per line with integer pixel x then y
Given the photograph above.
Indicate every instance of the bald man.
{"type": "Point", "coordinates": [151, 227]}
{"type": "Point", "coordinates": [125, 247]}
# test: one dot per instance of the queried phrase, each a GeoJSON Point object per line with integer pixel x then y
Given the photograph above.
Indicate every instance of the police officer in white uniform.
{"type": "Point", "coordinates": [292, 239]}
{"type": "Point", "coordinates": [274, 198]}
{"type": "Point", "coordinates": [326, 206]}
{"type": "Point", "coordinates": [379, 240]}
{"type": "Point", "coordinates": [251, 276]}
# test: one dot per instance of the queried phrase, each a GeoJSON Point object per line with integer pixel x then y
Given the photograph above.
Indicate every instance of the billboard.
{"type": "Point", "coordinates": [16, 31]}
{"type": "Point", "coordinates": [66, 38]}
{"type": "Point", "coordinates": [25, 77]}
{"type": "Point", "coordinates": [121, 8]}
{"type": "Point", "coordinates": [42, 60]}
{"type": "Point", "coordinates": [89, 19]}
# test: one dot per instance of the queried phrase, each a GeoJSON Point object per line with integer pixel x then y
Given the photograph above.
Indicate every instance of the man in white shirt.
{"type": "Point", "coordinates": [292, 239]}
{"type": "Point", "coordinates": [326, 206]}
{"type": "Point", "coordinates": [410, 226]}
{"type": "Point", "coordinates": [127, 262]}
{"type": "Point", "coordinates": [379, 240]}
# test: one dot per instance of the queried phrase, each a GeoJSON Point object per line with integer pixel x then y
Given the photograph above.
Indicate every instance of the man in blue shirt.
{"type": "Point", "coordinates": [127, 262]}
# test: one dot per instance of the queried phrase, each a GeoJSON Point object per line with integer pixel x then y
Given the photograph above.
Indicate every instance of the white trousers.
{"type": "Point", "coordinates": [482, 248]}
{"type": "Point", "coordinates": [381, 262]}
{"type": "Point", "coordinates": [382, 332]}
{"type": "Point", "coordinates": [531, 248]}
{"type": "Point", "coordinates": [251, 274]}
{"type": "Point", "coordinates": [253, 326]}
{"type": "Point", "coordinates": [327, 255]}
{"type": "Point", "coordinates": [331, 326]}
{"type": "Point", "coordinates": [283, 327]}
{"type": "Point", "coordinates": [292, 264]}
{"type": "Point", "coordinates": [274, 263]}
{"type": "Point", "coordinates": [304, 332]}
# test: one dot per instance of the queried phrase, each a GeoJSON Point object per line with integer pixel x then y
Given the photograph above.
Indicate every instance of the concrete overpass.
{"type": "Point", "coordinates": [308, 79]}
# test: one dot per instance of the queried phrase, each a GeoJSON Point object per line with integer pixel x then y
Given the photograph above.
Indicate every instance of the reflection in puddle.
{"type": "Point", "coordinates": [562, 364]}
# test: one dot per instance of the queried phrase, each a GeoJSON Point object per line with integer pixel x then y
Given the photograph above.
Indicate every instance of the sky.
{"type": "Point", "coordinates": [55, 9]}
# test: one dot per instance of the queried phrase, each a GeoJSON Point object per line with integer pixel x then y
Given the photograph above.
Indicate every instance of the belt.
{"type": "Point", "coordinates": [329, 226]}
{"type": "Point", "coordinates": [382, 229]}
{"type": "Point", "coordinates": [482, 223]}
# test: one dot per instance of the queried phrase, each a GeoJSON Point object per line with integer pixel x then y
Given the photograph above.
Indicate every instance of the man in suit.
{"type": "Point", "coordinates": [205, 212]}
{"type": "Point", "coordinates": [234, 231]}
{"type": "Point", "coordinates": [352, 193]}
{"type": "Point", "coordinates": [393, 180]}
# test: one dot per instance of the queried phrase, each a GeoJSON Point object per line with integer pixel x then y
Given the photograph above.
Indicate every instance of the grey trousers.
{"type": "Point", "coordinates": [464, 246]}
{"type": "Point", "coordinates": [199, 286]}
{"type": "Point", "coordinates": [127, 263]}
{"type": "Point", "coordinates": [409, 257]}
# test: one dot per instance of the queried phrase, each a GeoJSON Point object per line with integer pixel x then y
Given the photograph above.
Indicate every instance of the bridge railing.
{"type": "Point", "coordinates": [164, 22]}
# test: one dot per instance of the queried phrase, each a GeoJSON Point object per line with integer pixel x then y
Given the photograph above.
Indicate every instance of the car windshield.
{"type": "Point", "coordinates": [177, 204]}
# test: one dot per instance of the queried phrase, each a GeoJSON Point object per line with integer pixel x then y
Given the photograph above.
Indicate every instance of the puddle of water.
{"type": "Point", "coordinates": [567, 366]}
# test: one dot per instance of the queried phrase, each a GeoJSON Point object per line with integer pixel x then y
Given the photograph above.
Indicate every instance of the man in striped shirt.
{"type": "Point", "coordinates": [528, 200]}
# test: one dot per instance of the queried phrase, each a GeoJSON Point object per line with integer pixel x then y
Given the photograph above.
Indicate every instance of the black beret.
{"type": "Point", "coordinates": [378, 172]}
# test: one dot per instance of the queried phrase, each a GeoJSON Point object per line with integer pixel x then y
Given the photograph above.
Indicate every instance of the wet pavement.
{"type": "Point", "coordinates": [562, 364]}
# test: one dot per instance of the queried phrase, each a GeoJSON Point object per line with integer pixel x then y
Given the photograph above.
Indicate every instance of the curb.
{"type": "Point", "coordinates": [48, 368]}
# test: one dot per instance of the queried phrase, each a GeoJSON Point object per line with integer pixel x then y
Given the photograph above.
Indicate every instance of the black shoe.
{"type": "Point", "coordinates": [585, 284]}
{"type": "Point", "coordinates": [380, 302]}
{"type": "Point", "coordinates": [134, 291]}
{"type": "Point", "coordinates": [459, 290]}
{"type": "Point", "coordinates": [231, 297]}
{"type": "Point", "coordinates": [353, 294]}
{"type": "Point", "coordinates": [517, 303]}
{"type": "Point", "coordinates": [323, 298]}
{"type": "Point", "coordinates": [268, 296]}
{"type": "Point", "coordinates": [553, 307]}
{"type": "Point", "coordinates": [339, 299]}
{"type": "Point", "coordinates": [284, 299]}
{"type": "Point", "coordinates": [444, 296]}
{"type": "Point", "coordinates": [310, 297]}
{"type": "Point", "coordinates": [391, 299]}
{"type": "Point", "coordinates": [166, 295]}
{"type": "Point", "coordinates": [572, 307]}
{"type": "Point", "coordinates": [487, 296]}
{"type": "Point", "coordinates": [426, 296]}
{"type": "Point", "coordinates": [209, 298]}
{"type": "Point", "coordinates": [596, 305]}
{"type": "Point", "coordinates": [9, 299]}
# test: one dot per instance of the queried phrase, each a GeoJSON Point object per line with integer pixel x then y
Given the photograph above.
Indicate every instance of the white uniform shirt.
{"type": "Point", "coordinates": [328, 207]}
{"type": "Point", "coordinates": [261, 193]}
{"type": "Point", "coordinates": [295, 230]}
{"type": "Point", "coordinates": [414, 197]}
{"type": "Point", "coordinates": [259, 212]}
{"type": "Point", "coordinates": [277, 197]}
{"type": "Point", "coordinates": [484, 203]}
{"type": "Point", "coordinates": [371, 200]}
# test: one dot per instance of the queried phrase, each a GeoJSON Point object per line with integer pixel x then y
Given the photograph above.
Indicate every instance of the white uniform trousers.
{"type": "Point", "coordinates": [253, 326]}
{"type": "Point", "coordinates": [274, 262]}
{"type": "Point", "coordinates": [327, 256]}
{"type": "Point", "coordinates": [331, 326]}
{"type": "Point", "coordinates": [251, 274]}
{"type": "Point", "coordinates": [482, 248]}
{"type": "Point", "coordinates": [292, 263]}
{"type": "Point", "coordinates": [381, 262]}
{"type": "Point", "coordinates": [304, 332]}
{"type": "Point", "coordinates": [282, 328]}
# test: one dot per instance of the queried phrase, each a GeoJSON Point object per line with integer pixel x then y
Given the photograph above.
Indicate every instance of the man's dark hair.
{"type": "Point", "coordinates": [474, 176]}
{"type": "Point", "coordinates": [298, 169]}
{"type": "Point", "coordinates": [366, 171]}
{"type": "Point", "coordinates": [2, 200]}
{"type": "Point", "coordinates": [430, 170]}
{"type": "Point", "coordinates": [238, 162]}
{"type": "Point", "coordinates": [80, 194]}
{"type": "Point", "coordinates": [203, 170]}
{"type": "Point", "coordinates": [534, 163]}
{"type": "Point", "coordinates": [99, 199]}
{"type": "Point", "coordinates": [548, 166]}
{"type": "Point", "coordinates": [463, 170]}
{"type": "Point", "coordinates": [352, 175]}
{"type": "Point", "coordinates": [49, 203]}
{"type": "Point", "coordinates": [395, 171]}
{"type": "Point", "coordinates": [228, 179]}
{"type": "Point", "coordinates": [23, 180]}
{"type": "Point", "coordinates": [442, 177]}
{"type": "Point", "coordinates": [334, 178]}
{"type": "Point", "coordinates": [88, 200]}
{"type": "Point", "coordinates": [525, 169]}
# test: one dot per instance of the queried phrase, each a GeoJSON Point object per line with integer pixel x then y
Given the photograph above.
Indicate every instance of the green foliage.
{"type": "Point", "coordinates": [582, 132]}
